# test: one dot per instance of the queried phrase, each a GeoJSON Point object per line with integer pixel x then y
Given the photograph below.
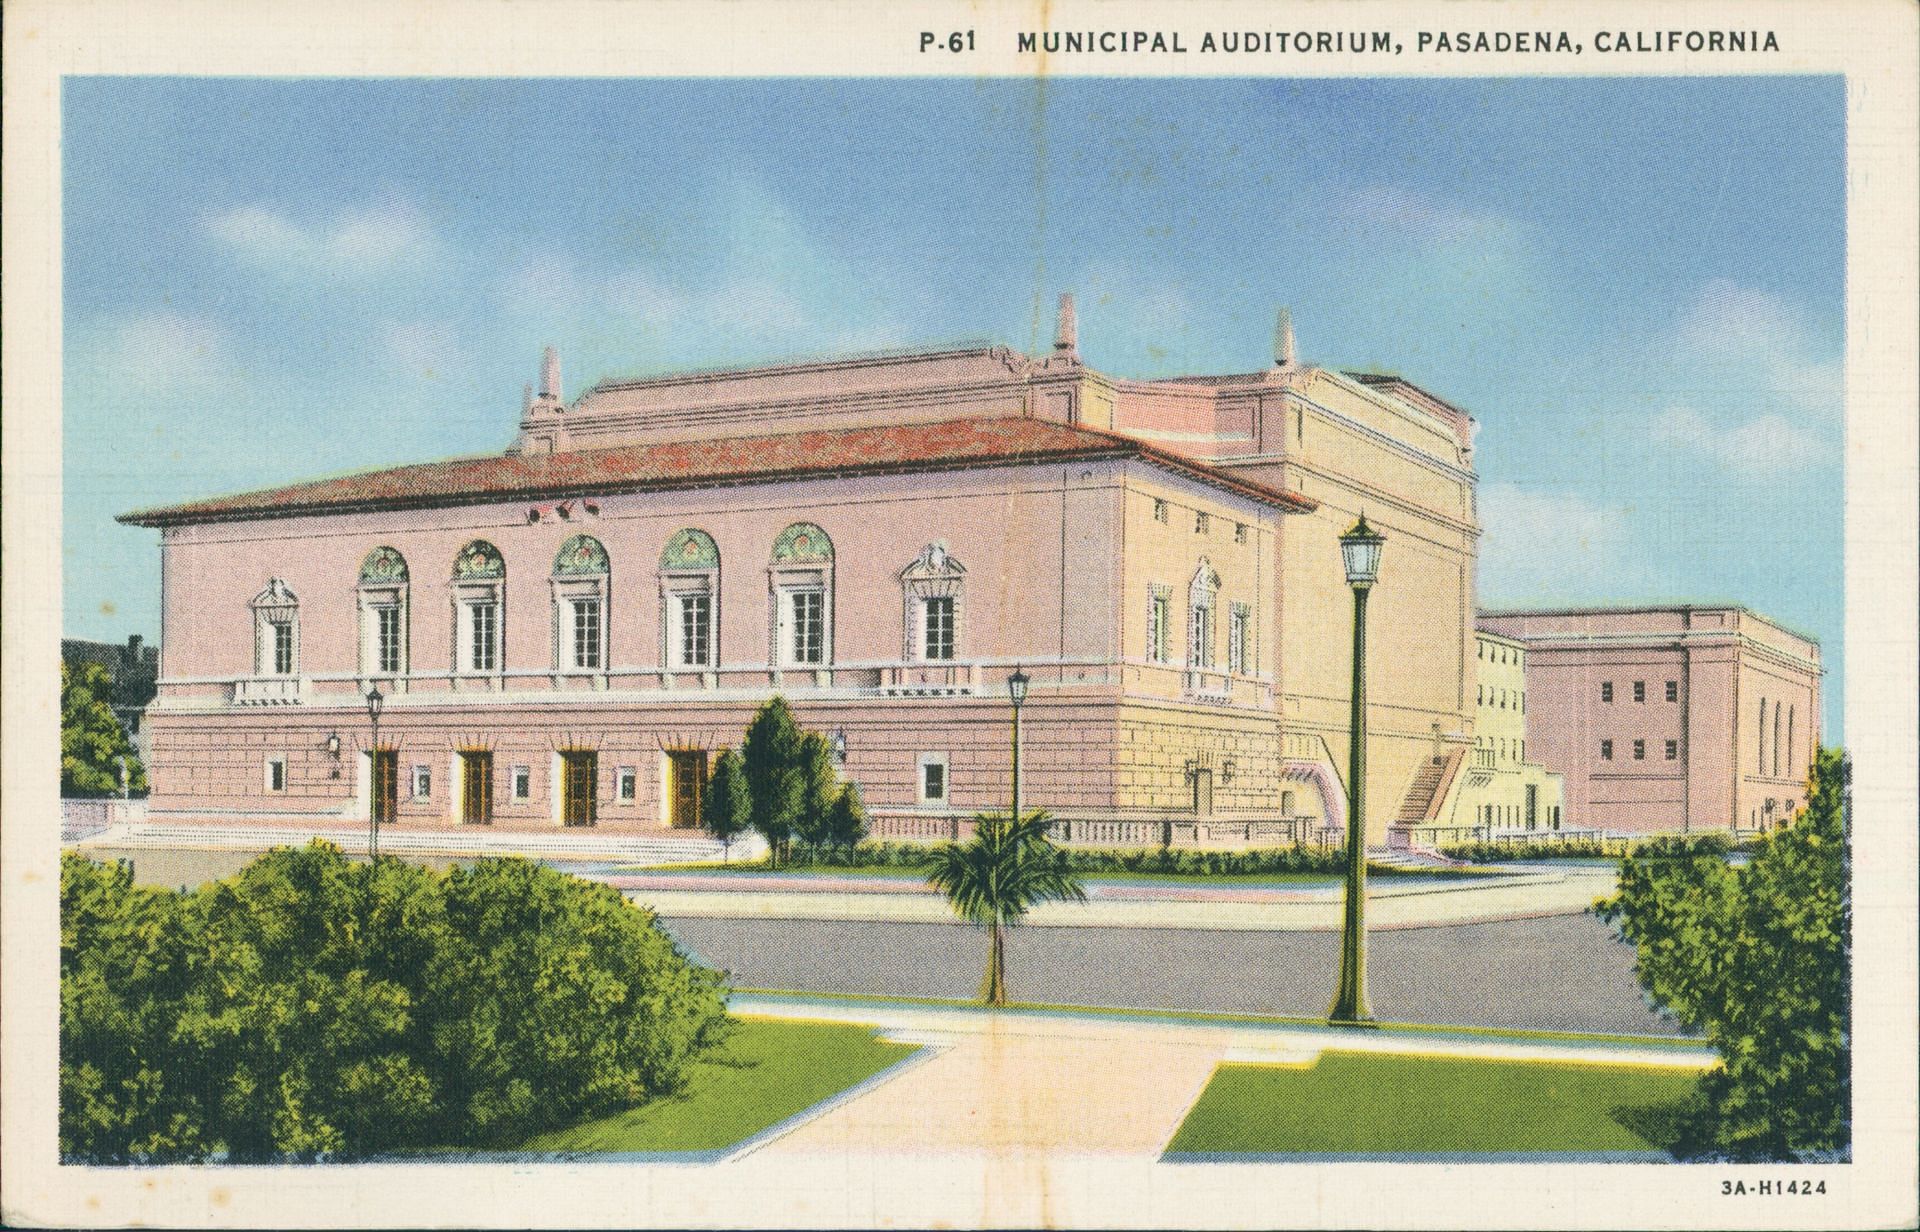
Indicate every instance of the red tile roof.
{"type": "Point", "coordinates": [893, 449]}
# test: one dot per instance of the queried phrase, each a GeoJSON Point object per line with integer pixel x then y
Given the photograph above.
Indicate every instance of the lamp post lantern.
{"type": "Point", "coordinates": [375, 700]}
{"type": "Point", "coordinates": [1360, 552]}
{"type": "Point", "coordinates": [1017, 690]}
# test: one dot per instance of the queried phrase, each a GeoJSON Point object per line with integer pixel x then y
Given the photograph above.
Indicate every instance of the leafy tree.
{"type": "Point", "coordinates": [820, 790]}
{"type": "Point", "coordinates": [726, 810]}
{"type": "Point", "coordinates": [1758, 958]}
{"type": "Point", "coordinates": [847, 821]}
{"type": "Point", "coordinates": [91, 738]}
{"type": "Point", "coordinates": [557, 999]}
{"type": "Point", "coordinates": [775, 782]}
{"type": "Point", "coordinates": [310, 1007]}
{"type": "Point", "coordinates": [995, 877]}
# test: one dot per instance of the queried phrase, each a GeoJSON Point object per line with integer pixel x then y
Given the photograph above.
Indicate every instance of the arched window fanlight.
{"type": "Point", "coordinates": [690, 549]}
{"type": "Point", "coordinates": [578, 555]}
{"type": "Point", "coordinates": [803, 543]}
{"type": "Point", "coordinates": [478, 560]}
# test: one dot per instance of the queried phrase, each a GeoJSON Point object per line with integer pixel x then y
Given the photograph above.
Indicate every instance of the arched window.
{"type": "Point", "coordinates": [580, 605]}
{"type": "Point", "coordinates": [276, 631]}
{"type": "Point", "coordinates": [800, 598]}
{"type": "Point", "coordinates": [932, 587]}
{"type": "Point", "coordinates": [690, 601]}
{"type": "Point", "coordinates": [1200, 601]}
{"type": "Point", "coordinates": [383, 613]}
{"type": "Point", "coordinates": [479, 595]}
{"type": "Point", "coordinates": [1793, 757]}
{"type": "Point", "coordinates": [1762, 767]}
{"type": "Point", "coordinates": [1776, 740]}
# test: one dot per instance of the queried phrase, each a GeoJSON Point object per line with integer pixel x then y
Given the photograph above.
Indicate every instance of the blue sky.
{"type": "Point", "coordinates": [1636, 285]}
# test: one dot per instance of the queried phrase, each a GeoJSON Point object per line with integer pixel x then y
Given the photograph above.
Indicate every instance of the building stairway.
{"type": "Point", "coordinates": [1428, 788]}
{"type": "Point", "coordinates": [647, 849]}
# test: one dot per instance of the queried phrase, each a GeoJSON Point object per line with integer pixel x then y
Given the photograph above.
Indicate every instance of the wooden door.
{"type": "Point", "coordinates": [476, 788]}
{"type": "Point", "coordinates": [386, 784]}
{"type": "Point", "coordinates": [1203, 793]}
{"type": "Point", "coordinates": [689, 786]}
{"type": "Point", "coordinates": [577, 774]}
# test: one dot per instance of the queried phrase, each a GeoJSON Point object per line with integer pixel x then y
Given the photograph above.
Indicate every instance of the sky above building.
{"type": "Point", "coordinates": [1635, 285]}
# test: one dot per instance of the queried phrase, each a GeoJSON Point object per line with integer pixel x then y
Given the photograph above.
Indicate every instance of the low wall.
{"type": "Point", "coordinates": [1094, 832]}
{"type": "Point", "coordinates": [84, 818]}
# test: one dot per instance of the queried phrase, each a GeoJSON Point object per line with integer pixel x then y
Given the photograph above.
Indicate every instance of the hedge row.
{"type": "Point", "coordinates": [1176, 860]}
{"type": "Point", "coordinates": [1615, 849]}
{"type": "Point", "coordinates": [314, 1008]}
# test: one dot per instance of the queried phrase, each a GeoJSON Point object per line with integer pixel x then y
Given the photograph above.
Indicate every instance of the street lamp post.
{"type": "Point", "coordinates": [1017, 690]}
{"type": "Point", "coordinates": [375, 700]}
{"type": "Point", "coordinates": [1360, 552]}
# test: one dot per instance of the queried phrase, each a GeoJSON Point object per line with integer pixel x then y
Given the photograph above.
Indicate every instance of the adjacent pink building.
{"type": "Point", "coordinates": [567, 631]}
{"type": "Point", "coordinates": [1670, 718]}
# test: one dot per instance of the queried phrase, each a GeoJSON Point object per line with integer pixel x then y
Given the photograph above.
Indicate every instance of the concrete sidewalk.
{"type": "Point", "coordinates": [1415, 903]}
{"type": "Point", "coordinates": [1020, 1085]}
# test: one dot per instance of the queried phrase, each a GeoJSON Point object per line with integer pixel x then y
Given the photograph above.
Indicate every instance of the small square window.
{"type": "Point", "coordinates": [1639, 750]}
{"type": "Point", "coordinates": [422, 782]}
{"type": "Point", "coordinates": [276, 774]}
{"type": "Point", "coordinates": [1159, 511]}
{"type": "Point", "coordinates": [1239, 532]}
{"type": "Point", "coordinates": [1606, 690]}
{"type": "Point", "coordinates": [1673, 750]}
{"type": "Point", "coordinates": [1606, 750]}
{"type": "Point", "coordinates": [522, 782]}
{"type": "Point", "coordinates": [1202, 523]}
{"type": "Point", "coordinates": [933, 778]}
{"type": "Point", "coordinates": [1673, 690]}
{"type": "Point", "coordinates": [1639, 690]}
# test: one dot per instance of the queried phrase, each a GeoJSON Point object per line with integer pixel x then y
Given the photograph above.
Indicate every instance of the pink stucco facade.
{"type": "Point", "coordinates": [882, 541]}
{"type": "Point", "coordinates": [1670, 718]}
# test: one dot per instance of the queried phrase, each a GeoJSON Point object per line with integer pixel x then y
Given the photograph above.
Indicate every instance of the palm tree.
{"type": "Point", "coordinates": [994, 877]}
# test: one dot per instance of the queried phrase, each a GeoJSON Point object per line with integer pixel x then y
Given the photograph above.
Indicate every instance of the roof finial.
{"type": "Point", "coordinates": [1066, 337]}
{"type": "Point", "coordinates": [1283, 340]}
{"type": "Point", "coordinates": [550, 374]}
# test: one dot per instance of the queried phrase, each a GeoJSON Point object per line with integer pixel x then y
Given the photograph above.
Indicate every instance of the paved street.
{"type": "Point", "coordinates": [1556, 973]}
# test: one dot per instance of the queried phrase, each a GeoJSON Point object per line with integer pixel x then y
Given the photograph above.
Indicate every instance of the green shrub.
{"type": "Point", "coordinates": [1178, 861]}
{"type": "Point", "coordinates": [1758, 958]}
{"type": "Point", "coordinates": [309, 1007]}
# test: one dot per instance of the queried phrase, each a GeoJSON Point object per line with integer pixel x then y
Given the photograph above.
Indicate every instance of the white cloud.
{"type": "Point", "coordinates": [1736, 338]}
{"type": "Point", "coordinates": [424, 350]}
{"type": "Point", "coordinates": [157, 353]}
{"type": "Point", "coordinates": [1767, 445]}
{"type": "Point", "coordinates": [1545, 545]}
{"type": "Point", "coordinates": [359, 243]}
{"type": "Point", "coordinates": [1381, 206]}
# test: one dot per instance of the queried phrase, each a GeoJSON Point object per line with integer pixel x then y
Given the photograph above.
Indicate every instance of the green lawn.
{"type": "Point", "coordinates": [765, 1073]}
{"type": "Point", "coordinates": [1372, 1103]}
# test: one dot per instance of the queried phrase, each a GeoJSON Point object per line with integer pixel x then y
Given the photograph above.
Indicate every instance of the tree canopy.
{"type": "Point", "coordinates": [92, 741]}
{"type": "Point", "coordinates": [1759, 959]}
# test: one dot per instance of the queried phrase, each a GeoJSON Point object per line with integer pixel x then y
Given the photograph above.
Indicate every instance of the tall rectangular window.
{"type": "Point", "coordinates": [276, 774]}
{"type": "Point", "coordinates": [1639, 690]}
{"type": "Point", "coordinates": [1673, 750]}
{"type": "Point", "coordinates": [939, 627]}
{"type": "Point", "coordinates": [1202, 523]}
{"type": "Point", "coordinates": [696, 630]}
{"type": "Point", "coordinates": [586, 633]}
{"type": "Point", "coordinates": [1157, 605]}
{"type": "Point", "coordinates": [283, 647]}
{"type": "Point", "coordinates": [1606, 690]}
{"type": "Point", "coordinates": [483, 644]}
{"type": "Point", "coordinates": [1200, 649]}
{"type": "Point", "coordinates": [522, 782]}
{"type": "Point", "coordinates": [1639, 750]}
{"type": "Point", "coordinates": [1606, 750]}
{"type": "Point", "coordinates": [1237, 622]}
{"type": "Point", "coordinates": [809, 626]}
{"type": "Point", "coordinates": [389, 638]}
{"type": "Point", "coordinates": [1673, 690]}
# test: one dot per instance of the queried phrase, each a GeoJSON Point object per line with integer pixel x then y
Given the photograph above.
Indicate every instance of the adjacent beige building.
{"type": "Point", "coordinates": [1670, 717]}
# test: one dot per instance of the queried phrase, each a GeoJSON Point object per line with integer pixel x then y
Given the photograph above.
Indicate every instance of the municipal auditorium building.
{"type": "Point", "coordinates": [568, 631]}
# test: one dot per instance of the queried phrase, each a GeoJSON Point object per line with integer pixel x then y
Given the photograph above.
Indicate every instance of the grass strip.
{"type": "Point", "coordinates": [1386, 1104]}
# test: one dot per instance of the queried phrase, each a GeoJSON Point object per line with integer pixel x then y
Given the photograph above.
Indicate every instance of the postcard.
{"type": "Point", "coordinates": [972, 615]}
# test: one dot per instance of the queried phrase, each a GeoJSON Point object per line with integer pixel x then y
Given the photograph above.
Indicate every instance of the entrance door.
{"type": "Point", "coordinates": [386, 784]}
{"type": "Point", "coordinates": [1533, 804]}
{"type": "Point", "coordinates": [689, 786]}
{"type": "Point", "coordinates": [476, 788]}
{"type": "Point", "coordinates": [1203, 793]}
{"type": "Point", "coordinates": [577, 774]}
